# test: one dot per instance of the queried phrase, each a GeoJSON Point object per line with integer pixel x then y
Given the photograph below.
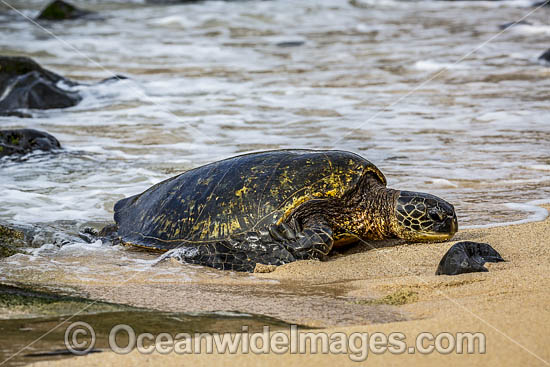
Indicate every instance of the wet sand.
{"type": "Point", "coordinates": [510, 304]}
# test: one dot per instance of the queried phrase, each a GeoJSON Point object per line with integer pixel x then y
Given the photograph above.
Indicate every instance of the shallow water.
{"type": "Point", "coordinates": [210, 80]}
{"type": "Point", "coordinates": [52, 330]}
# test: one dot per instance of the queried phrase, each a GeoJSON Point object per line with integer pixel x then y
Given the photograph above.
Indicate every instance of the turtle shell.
{"type": "Point", "coordinates": [240, 194]}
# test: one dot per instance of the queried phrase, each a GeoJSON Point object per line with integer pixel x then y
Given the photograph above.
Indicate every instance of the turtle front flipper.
{"type": "Point", "coordinates": [313, 242]}
{"type": "Point", "coordinates": [282, 244]}
{"type": "Point", "coordinates": [243, 251]}
{"type": "Point", "coordinates": [467, 257]}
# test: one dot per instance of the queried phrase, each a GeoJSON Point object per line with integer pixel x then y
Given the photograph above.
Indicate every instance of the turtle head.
{"type": "Point", "coordinates": [424, 217]}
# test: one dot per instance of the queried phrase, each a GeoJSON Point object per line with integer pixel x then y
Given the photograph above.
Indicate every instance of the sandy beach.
{"type": "Point", "coordinates": [509, 304]}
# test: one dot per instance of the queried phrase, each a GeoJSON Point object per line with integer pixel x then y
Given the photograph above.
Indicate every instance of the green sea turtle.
{"type": "Point", "coordinates": [276, 207]}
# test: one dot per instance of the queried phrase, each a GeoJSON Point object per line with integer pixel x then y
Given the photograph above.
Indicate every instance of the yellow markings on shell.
{"type": "Point", "coordinates": [148, 248]}
{"type": "Point", "coordinates": [379, 174]}
{"type": "Point", "coordinates": [242, 192]}
{"type": "Point", "coordinates": [167, 224]}
{"type": "Point", "coordinates": [232, 226]}
{"type": "Point", "coordinates": [205, 180]}
{"type": "Point", "coordinates": [338, 178]}
{"type": "Point", "coordinates": [329, 193]}
{"type": "Point", "coordinates": [222, 229]}
{"type": "Point", "coordinates": [291, 206]}
{"type": "Point", "coordinates": [330, 186]}
{"type": "Point", "coordinates": [284, 179]}
{"type": "Point", "coordinates": [214, 228]}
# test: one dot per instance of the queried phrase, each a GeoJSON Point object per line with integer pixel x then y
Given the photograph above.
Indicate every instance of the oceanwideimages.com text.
{"type": "Point", "coordinates": [80, 339]}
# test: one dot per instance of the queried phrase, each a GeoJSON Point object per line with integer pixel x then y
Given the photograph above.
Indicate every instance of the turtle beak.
{"type": "Point", "coordinates": [449, 226]}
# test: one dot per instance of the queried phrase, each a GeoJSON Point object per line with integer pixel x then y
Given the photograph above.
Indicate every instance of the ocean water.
{"type": "Point", "coordinates": [432, 92]}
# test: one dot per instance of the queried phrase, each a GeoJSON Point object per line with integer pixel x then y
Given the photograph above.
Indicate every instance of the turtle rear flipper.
{"type": "Point", "coordinates": [225, 255]}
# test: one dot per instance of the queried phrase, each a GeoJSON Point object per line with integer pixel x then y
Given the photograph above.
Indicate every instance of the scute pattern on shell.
{"type": "Point", "coordinates": [244, 193]}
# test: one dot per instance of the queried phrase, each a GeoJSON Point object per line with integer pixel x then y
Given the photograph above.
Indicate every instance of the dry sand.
{"type": "Point", "coordinates": [510, 304]}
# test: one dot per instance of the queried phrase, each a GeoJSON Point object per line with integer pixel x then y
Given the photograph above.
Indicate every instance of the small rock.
{"type": "Point", "coordinates": [60, 10]}
{"type": "Point", "coordinates": [513, 24]}
{"type": "Point", "coordinates": [25, 84]}
{"type": "Point", "coordinates": [358, 4]}
{"type": "Point", "coordinates": [467, 257]}
{"type": "Point", "coordinates": [23, 141]}
{"type": "Point", "coordinates": [291, 43]}
{"type": "Point", "coordinates": [545, 57]}
{"type": "Point", "coordinates": [541, 3]}
{"type": "Point", "coordinates": [262, 268]}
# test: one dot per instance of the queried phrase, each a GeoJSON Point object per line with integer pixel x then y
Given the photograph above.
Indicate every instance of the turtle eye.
{"type": "Point", "coordinates": [437, 215]}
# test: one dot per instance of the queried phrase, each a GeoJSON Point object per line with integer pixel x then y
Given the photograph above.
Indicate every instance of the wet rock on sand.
{"type": "Point", "coordinates": [467, 257]}
{"type": "Point", "coordinates": [20, 238]}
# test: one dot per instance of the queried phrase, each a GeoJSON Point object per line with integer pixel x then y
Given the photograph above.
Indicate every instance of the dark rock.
{"type": "Point", "coordinates": [513, 24]}
{"type": "Point", "coordinates": [467, 257]}
{"type": "Point", "coordinates": [290, 43]}
{"type": "Point", "coordinates": [358, 4]}
{"type": "Point", "coordinates": [23, 141]}
{"type": "Point", "coordinates": [60, 10]}
{"type": "Point", "coordinates": [171, 2]}
{"type": "Point", "coordinates": [19, 238]}
{"type": "Point", "coordinates": [114, 78]}
{"type": "Point", "coordinates": [25, 84]}
{"type": "Point", "coordinates": [545, 57]}
{"type": "Point", "coordinates": [15, 114]}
